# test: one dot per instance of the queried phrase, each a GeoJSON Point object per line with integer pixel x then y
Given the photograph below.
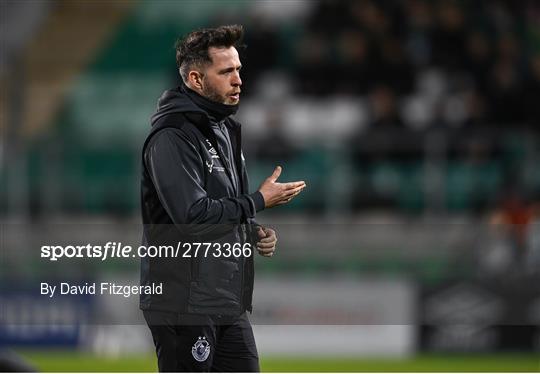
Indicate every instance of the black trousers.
{"type": "Point", "coordinates": [203, 343]}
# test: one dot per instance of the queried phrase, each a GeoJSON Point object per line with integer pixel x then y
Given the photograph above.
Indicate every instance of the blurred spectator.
{"type": "Point", "coordinates": [386, 139]}
{"type": "Point", "coordinates": [513, 217]}
{"type": "Point", "coordinates": [479, 59]}
{"type": "Point", "coordinates": [449, 36]}
{"type": "Point", "coordinates": [314, 73]}
{"type": "Point", "coordinates": [533, 239]}
{"type": "Point", "coordinates": [419, 25]}
{"type": "Point", "coordinates": [384, 109]}
{"type": "Point", "coordinates": [371, 18]}
{"type": "Point", "coordinates": [393, 68]}
{"type": "Point", "coordinates": [531, 97]}
{"type": "Point", "coordinates": [505, 94]}
{"type": "Point", "coordinates": [329, 15]}
{"type": "Point", "coordinates": [262, 48]}
{"type": "Point", "coordinates": [277, 146]}
{"type": "Point", "coordinates": [354, 64]}
{"type": "Point", "coordinates": [476, 110]}
{"type": "Point", "coordinates": [508, 48]}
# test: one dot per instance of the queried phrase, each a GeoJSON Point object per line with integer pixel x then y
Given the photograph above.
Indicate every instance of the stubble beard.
{"type": "Point", "coordinates": [211, 93]}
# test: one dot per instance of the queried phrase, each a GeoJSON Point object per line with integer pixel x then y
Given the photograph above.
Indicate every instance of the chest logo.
{"type": "Point", "coordinates": [211, 149]}
{"type": "Point", "coordinates": [210, 166]}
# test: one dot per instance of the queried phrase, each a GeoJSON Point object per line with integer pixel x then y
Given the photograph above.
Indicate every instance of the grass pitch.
{"type": "Point", "coordinates": [70, 361]}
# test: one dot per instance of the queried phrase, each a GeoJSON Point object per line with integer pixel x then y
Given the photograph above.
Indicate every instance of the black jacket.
{"type": "Point", "coordinates": [188, 195]}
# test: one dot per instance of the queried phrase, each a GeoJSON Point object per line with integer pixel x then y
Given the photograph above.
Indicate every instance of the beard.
{"type": "Point", "coordinates": [211, 93]}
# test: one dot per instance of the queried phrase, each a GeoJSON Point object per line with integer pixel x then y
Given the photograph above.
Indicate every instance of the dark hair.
{"type": "Point", "coordinates": [192, 50]}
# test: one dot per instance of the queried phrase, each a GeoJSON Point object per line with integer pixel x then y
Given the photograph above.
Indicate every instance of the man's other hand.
{"type": "Point", "coordinates": [275, 193]}
{"type": "Point", "coordinates": [266, 246]}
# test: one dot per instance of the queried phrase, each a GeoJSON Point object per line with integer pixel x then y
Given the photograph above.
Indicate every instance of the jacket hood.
{"type": "Point", "coordinates": [175, 101]}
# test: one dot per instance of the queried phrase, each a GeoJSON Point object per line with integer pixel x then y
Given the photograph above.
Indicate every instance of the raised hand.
{"type": "Point", "coordinates": [275, 193]}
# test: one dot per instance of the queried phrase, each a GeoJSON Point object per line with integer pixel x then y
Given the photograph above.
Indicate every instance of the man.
{"type": "Point", "coordinates": [195, 190]}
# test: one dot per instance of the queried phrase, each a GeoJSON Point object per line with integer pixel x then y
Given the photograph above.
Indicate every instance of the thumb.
{"type": "Point", "coordinates": [275, 175]}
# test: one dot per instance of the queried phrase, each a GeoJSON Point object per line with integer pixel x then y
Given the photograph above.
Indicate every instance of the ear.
{"type": "Point", "coordinates": [195, 79]}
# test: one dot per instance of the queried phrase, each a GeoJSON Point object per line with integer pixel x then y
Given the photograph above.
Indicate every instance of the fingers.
{"type": "Point", "coordinates": [275, 175]}
{"type": "Point", "coordinates": [293, 192]}
{"type": "Point", "coordinates": [284, 201]}
{"type": "Point", "coordinates": [266, 235]}
{"type": "Point", "coordinates": [275, 193]}
{"type": "Point", "coordinates": [267, 252]}
{"type": "Point", "coordinates": [268, 239]}
{"type": "Point", "coordinates": [290, 195]}
{"type": "Point", "coordinates": [292, 185]}
{"type": "Point", "coordinates": [265, 245]}
{"type": "Point", "coordinates": [287, 200]}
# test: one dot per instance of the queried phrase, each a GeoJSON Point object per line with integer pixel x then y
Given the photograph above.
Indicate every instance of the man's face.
{"type": "Point", "coordinates": [221, 81]}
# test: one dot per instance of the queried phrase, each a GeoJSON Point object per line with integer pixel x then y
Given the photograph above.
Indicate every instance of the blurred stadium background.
{"type": "Point", "coordinates": [415, 123]}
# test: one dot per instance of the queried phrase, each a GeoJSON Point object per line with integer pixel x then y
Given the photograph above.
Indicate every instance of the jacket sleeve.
{"type": "Point", "coordinates": [177, 171]}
